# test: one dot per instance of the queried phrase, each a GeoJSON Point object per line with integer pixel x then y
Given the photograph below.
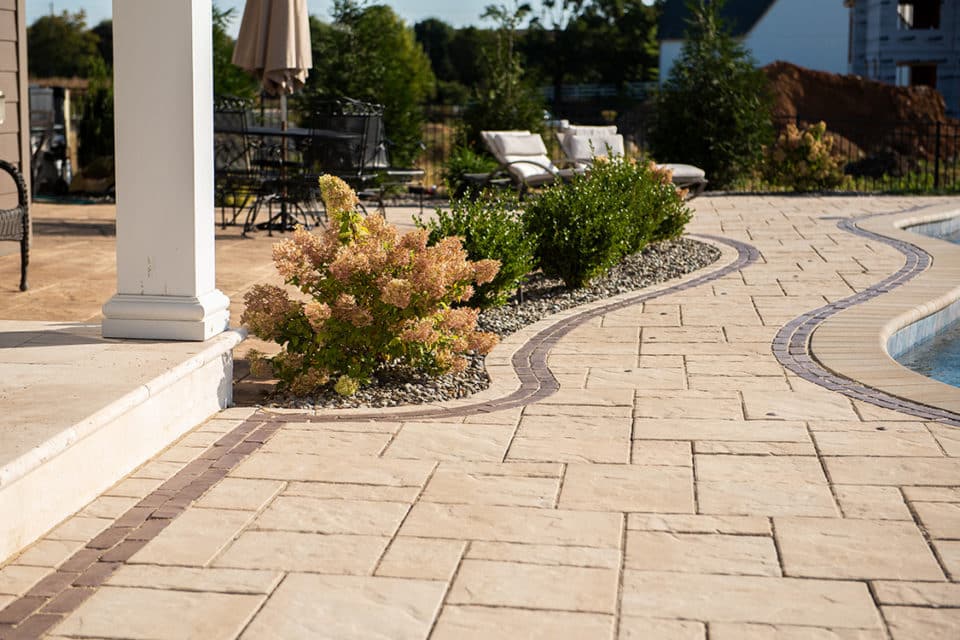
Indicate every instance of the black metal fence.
{"type": "Point", "coordinates": [878, 156]}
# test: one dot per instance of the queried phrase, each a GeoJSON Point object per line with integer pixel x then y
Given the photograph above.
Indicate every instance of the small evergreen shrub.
{"type": "Point", "coordinates": [491, 228]}
{"type": "Point", "coordinates": [803, 160]}
{"type": "Point", "coordinates": [376, 297]}
{"type": "Point", "coordinates": [586, 226]}
{"type": "Point", "coordinates": [464, 160]}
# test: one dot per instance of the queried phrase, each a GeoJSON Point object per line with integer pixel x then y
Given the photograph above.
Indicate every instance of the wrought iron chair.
{"type": "Point", "coordinates": [15, 222]}
{"type": "Point", "coordinates": [237, 180]}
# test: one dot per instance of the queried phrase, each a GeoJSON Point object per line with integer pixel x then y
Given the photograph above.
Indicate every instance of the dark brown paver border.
{"type": "Point", "coordinates": [791, 345]}
{"type": "Point", "coordinates": [62, 591]}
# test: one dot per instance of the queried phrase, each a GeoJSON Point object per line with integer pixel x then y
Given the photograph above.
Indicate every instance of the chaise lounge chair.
{"type": "Point", "coordinates": [581, 144]}
{"type": "Point", "coordinates": [523, 157]}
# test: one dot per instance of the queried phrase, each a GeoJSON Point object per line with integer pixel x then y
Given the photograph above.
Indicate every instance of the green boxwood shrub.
{"type": "Point", "coordinates": [492, 229]}
{"type": "Point", "coordinates": [586, 226]}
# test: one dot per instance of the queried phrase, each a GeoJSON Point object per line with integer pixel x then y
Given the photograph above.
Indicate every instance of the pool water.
{"type": "Point", "coordinates": [938, 357]}
{"type": "Point", "coordinates": [952, 237]}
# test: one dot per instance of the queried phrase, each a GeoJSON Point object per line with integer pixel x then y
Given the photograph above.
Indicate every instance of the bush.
{"type": "Point", "coordinates": [463, 160]}
{"type": "Point", "coordinates": [586, 226]}
{"type": "Point", "coordinates": [376, 297]}
{"type": "Point", "coordinates": [803, 160]}
{"type": "Point", "coordinates": [491, 228]}
{"type": "Point", "coordinates": [714, 109]}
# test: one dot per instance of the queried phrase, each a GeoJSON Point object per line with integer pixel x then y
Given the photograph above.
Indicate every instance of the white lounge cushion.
{"type": "Point", "coordinates": [521, 145]}
{"type": "Point", "coordinates": [592, 130]}
{"type": "Point", "coordinates": [527, 167]}
{"type": "Point", "coordinates": [685, 172]}
{"type": "Point", "coordinates": [585, 148]}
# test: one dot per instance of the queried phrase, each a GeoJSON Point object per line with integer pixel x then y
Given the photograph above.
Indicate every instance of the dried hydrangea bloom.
{"type": "Point", "coordinates": [309, 381]}
{"type": "Point", "coordinates": [485, 270]}
{"type": "Point", "coordinates": [346, 309]}
{"type": "Point", "coordinates": [267, 308]}
{"type": "Point", "coordinates": [337, 195]}
{"type": "Point", "coordinates": [459, 319]}
{"type": "Point", "coordinates": [397, 292]}
{"type": "Point", "coordinates": [317, 314]}
{"type": "Point", "coordinates": [482, 342]}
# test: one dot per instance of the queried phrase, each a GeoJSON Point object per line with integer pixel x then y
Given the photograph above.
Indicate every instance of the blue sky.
{"type": "Point", "coordinates": [456, 12]}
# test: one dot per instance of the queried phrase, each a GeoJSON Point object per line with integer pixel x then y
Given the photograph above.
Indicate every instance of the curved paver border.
{"type": "Point", "coordinates": [842, 346]}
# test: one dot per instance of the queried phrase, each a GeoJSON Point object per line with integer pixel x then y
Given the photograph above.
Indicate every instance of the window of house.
{"type": "Point", "coordinates": [917, 75]}
{"type": "Point", "coordinates": [919, 14]}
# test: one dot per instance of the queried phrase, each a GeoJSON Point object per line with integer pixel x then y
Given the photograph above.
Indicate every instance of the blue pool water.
{"type": "Point", "coordinates": [938, 356]}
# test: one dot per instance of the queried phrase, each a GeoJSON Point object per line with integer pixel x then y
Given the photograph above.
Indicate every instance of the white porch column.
{"type": "Point", "coordinates": [163, 87]}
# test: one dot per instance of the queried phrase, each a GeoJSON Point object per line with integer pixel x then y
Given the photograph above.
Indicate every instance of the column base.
{"type": "Point", "coordinates": [142, 317]}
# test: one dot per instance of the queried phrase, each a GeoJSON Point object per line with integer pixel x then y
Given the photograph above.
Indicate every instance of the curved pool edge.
{"type": "Point", "coordinates": [853, 343]}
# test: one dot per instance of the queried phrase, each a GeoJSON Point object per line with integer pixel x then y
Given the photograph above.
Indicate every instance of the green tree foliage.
{"type": "Point", "coordinates": [228, 79]}
{"type": "Point", "coordinates": [503, 99]}
{"type": "Point", "coordinates": [95, 128]}
{"type": "Point", "coordinates": [369, 54]}
{"type": "Point", "coordinates": [60, 46]}
{"type": "Point", "coordinates": [104, 33]}
{"type": "Point", "coordinates": [714, 110]}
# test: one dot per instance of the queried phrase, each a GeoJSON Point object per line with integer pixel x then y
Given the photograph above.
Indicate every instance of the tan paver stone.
{"type": "Point", "coordinates": [737, 525]}
{"type": "Point", "coordinates": [628, 488]}
{"type": "Point", "coordinates": [923, 594]}
{"type": "Point", "coordinates": [716, 598]}
{"type": "Point", "coordinates": [158, 470]}
{"type": "Point", "coordinates": [741, 383]}
{"type": "Point", "coordinates": [706, 348]}
{"type": "Point", "coordinates": [513, 524]}
{"type": "Point", "coordinates": [633, 628]}
{"type": "Point", "coordinates": [578, 399]}
{"type": "Point", "coordinates": [736, 631]}
{"type": "Point", "coordinates": [592, 427]}
{"type": "Point", "coordinates": [348, 608]}
{"type": "Point", "coordinates": [756, 448]}
{"type": "Point", "coordinates": [626, 361]}
{"type": "Point", "coordinates": [80, 528]}
{"type": "Point", "coordinates": [600, 334]}
{"type": "Point", "coordinates": [194, 538]}
{"type": "Point", "coordinates": [872, 503]}
{"type": "Point", "coordinates": [636, 378]}
{"type": "Point", "coordinates": [507, 416]}
{"type": "Point", "coordinates": [706, 314]}
{"type": "Point", "coordinates": [312, 515]}
{"type": "Point", "coordinates": [789, 405]}
{"type": "Point", "coordinates": [345, 426]}
{"type": "Point", "coordinates": [574, 450]}
{"type": "Point", "coordinates": [662, 453]}
{"type": "Point", "coordinates": [181, 453]}
{"type": "Point", "coordinates": [587, 349]}
{"type": "Point", "coordinates": [760, 469]}
{"type": "Point", "coordinates": [16, 579]}
{"type": "Point", "coordinates": [949, 551]}
{"type": "Point", "coordinates": [134, 487]}
{"type": "Point", "coordinates": [241, 494]}
{"type": "Point", "coordinates": [701, 553]}
{"type": "Point", "coordinates": [932, 494]}
{"type": "Point", "coordinates": [349, 443]}
{"type": "Point", "coordinates": [483, 623]}
{"type": "Point", "coordinates": [870, 411]}
{"type": "Point", "coordinates": [859, 549]}
{"type": "Point", "coordinates": [683, 335]}
{"type": "Point", "coordinates": [201, 439]}
{"type": "Point", "coordinates": [459, 486]}
{"type": "Point", "coordinates": [564, 411]}
{"type": "Point", "coordinates": [719, 430]}
{"type": "Point", "coordinates": [531, 586]}
{"type": "Point", "coordinates": [948, 437]}
{"type": "Point", "coordinates": [49, 553]}
{"type": "Point", "coordinates": [894, 471]}
{"type": "Point", "coordinates": [108, 507]}
{"type": "Point", "coordinates": [876, 443]}
{"type": "Point", "coordinates": [295, 551]}
{"type": "Point", "coordinates": [869, 426]}
{"type": "Point", "coordinates": [766, 498]}
{"type": "Point", "coordinates": [120, 612]}
{"type": "Point", "coordinates": [336, 491]}
{"type": "Point", "coordinates": [545, 554]}
{"type": "Point", "coordinates": [689, 405]}
{"type": "Point", "coordinates": [941, 519]}
{"type": "Point", "coordinates": [194, 579]}
{"type": "Point", "coordinates": [915, 623]}
{"type": "Point", "coordinates": [293, 466]}
{"type": "Point", "coordinates": [433, 441]}
{"type": "Point", "coordinates": [511, 469]}
{"type": "Point", "coordinates": [422, 558]}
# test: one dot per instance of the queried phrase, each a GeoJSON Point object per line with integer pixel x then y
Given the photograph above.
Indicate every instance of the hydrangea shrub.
{"type": "Point", "coordinates": [375, 297]}
{"type": "Point", "coordinates": [803, 160]}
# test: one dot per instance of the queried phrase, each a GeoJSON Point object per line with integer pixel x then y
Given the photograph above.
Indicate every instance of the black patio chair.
{"type": "Point", "coordinates": [237, 180]}
{"type": "Point", "coordinates": [15, 222]}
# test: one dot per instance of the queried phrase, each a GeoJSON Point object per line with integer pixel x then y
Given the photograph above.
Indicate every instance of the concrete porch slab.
{"type": "Point", "coordinates": [80, 412]}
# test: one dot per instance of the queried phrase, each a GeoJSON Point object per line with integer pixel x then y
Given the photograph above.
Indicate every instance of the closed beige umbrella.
{"type": "Point", "coordinates": [274, 44]}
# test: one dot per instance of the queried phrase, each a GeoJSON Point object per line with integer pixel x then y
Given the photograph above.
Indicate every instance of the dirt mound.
{"type": "Point", "coordinates": [878, 119]}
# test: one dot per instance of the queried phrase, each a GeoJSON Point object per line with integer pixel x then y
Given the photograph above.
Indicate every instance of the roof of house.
{"type": "Point", "coordinates": [739, 15]}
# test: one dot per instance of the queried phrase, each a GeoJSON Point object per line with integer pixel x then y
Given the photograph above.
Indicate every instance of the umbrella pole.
{"type": "Point", "coordinates": [283, 163]}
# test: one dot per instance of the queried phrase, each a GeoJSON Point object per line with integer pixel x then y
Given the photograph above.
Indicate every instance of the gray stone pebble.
{"type": "Point", "coordinates": [538, 298]}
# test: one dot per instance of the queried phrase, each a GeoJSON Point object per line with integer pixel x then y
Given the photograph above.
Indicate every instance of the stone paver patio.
{"type": "Point", "coordinates": [676, 482]}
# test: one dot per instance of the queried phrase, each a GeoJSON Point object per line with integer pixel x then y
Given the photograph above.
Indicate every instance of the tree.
{"type": "Point", "coordinates": [368, 53]}
{"type": "Point", "coordinates": [60, 46]}
{"type": "Point", "coordinates": [714, 109]}
{"type": "Point", "coordinates": [104, 33]}
{"type": "Point", "coordinates": [228, 79]}
{"type": "Point", "coordinates": [503, 99]}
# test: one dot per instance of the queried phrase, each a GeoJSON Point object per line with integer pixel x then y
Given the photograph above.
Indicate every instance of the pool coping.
{"type": "Point", "coordinates": [851, 337]}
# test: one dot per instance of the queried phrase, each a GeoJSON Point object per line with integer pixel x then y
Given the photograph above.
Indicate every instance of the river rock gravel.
{"type": "Point", "coordinates": [538, 298]}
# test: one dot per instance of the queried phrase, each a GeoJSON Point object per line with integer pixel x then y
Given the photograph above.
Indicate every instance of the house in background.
{"type": "Point", "coordinates": [908, 43]}
{"type": "Point", "coordinates": [808, 33]}
{"type": "Point", "coordinates": [15, 130]}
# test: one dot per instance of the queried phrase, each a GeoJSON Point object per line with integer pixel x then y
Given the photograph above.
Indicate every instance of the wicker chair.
{"type": "Point", "coordinates": [15, 223]}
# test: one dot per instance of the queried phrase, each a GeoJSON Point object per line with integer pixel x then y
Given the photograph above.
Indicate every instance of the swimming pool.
{"type": "Point", "coordinates": [931, 347]}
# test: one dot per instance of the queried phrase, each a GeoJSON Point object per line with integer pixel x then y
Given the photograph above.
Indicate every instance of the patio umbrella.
{"type": "Point", "coordinates": [274, 45]}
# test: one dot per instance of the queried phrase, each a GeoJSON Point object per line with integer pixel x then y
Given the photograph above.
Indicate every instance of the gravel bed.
{"type": "Point", "coordinates": [539, 298]}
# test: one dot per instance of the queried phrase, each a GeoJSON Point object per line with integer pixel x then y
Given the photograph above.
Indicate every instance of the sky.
{"type": "Point", "coordinates": [456, 12]}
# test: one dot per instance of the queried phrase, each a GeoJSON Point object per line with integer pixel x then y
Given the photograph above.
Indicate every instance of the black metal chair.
{"type": "Point", "coordinates": [15, 222]}
{"type": "Point", "coordinates": [236, 179]}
